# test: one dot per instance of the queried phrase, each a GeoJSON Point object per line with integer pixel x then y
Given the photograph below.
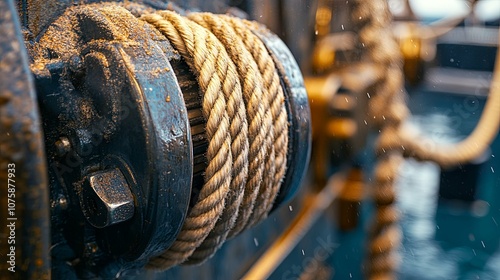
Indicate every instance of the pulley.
{"type": "Point", "coordinates": [126, 134]}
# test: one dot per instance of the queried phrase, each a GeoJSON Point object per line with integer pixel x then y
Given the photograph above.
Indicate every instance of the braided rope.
{"type": "Point", "coordinates": [373, 19]}
{"type": "Point", "coordinates": [247, 130]}
{"type": "Point", "coordinates": [260, 124]}
{"type": "Point", "coordinates": [272, 85]}
{"type": "Point", "coordinates": [218, 80]}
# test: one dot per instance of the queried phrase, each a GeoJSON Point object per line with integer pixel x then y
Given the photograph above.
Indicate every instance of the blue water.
{"type": "Point", "coordinates": [449, 239]}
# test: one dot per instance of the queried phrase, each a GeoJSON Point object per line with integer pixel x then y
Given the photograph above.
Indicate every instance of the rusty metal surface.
{"type": "Point", "coordinates": [37, 15]}
{"type": "Point", "coordinates": [21, 150]}
{"type": "Point", "coordinates": [106, 84]}
{"type": "Point", "coordinates": [110, 101]}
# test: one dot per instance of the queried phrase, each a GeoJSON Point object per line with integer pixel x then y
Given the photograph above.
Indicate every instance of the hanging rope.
{"type": "Point", "coordinates": [376, 42]}
{"type": "Point", "coordinates": [247, 130]}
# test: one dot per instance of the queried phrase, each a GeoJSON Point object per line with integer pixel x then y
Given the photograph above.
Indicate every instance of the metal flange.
{"type": "Point", "coordinates": [105, 84]}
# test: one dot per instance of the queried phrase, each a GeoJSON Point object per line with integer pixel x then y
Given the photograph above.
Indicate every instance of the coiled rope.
{"type": "Point", "coordinates": [388, 110]}
{"type": "Point", "coordinates": [246, 126]}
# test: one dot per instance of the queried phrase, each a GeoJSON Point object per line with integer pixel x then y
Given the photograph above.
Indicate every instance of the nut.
{"type": "Point", "coordinates": [106, 198]}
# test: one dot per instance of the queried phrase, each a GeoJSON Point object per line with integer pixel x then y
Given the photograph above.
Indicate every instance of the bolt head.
{"type": "Point", "coordinates": [106, 198]}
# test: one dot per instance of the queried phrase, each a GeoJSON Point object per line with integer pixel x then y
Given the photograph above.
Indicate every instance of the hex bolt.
{"type": "Point", "coordinates": [63, 146]}
{"type": "Point", "coordinates": [106, 198]}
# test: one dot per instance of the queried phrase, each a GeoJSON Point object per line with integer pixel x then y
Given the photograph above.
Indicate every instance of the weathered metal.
{"type": "Point", "coordinates": [106, 198]}
{"type": "Point", "coordinates": [125, 134]}
{"type": "Point", "coordinates": [23, 173]}
{"type": "Point", "coordinates": [110, 90]}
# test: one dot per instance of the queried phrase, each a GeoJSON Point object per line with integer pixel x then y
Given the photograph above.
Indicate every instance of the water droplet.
{"type": "Point", "coordinates": [255, 241]}
{"type": "Point", "coordinates": [452, 60]}
{"type": "Point", "coordinates": [290, 207]}
{"type": "Point", "coordinates": [303, 254]}
{"type": "Point", "coordinates": [342, 26]}
{"type": "Point", "coordinates": [368, 95]}
{"type": "Point", "coordinates": [492, 170]}
{"type": "Point", "coordinates": [483, 244]}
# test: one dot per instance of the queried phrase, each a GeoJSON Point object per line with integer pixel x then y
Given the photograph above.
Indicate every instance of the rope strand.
{"type": "Point", "coordinates": [388, 111]}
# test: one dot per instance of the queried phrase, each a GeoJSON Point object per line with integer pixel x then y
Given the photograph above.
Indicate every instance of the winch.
{"type": "Point", "coordinates": [163, 135]}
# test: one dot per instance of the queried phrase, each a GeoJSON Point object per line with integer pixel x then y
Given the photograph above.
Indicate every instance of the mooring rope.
{"type": "Point", "coordinates": [272, 86]}
{"type": "Point", "coordinates": [247, 130]}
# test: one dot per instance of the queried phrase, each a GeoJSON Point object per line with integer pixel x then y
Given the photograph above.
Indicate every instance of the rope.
{"type": "Point", "coordinates": [373, 19]}
{"type": "Point", "coordinates": [218, 80]}
{"type": "Point", "coordinates": [272, 86]}
{"type": "Point", "coordinates": [247, 130]}
{"type": "Point", "coordinates": [468, 149]}
{"type": "Point", "coordinates": [260, 120]}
